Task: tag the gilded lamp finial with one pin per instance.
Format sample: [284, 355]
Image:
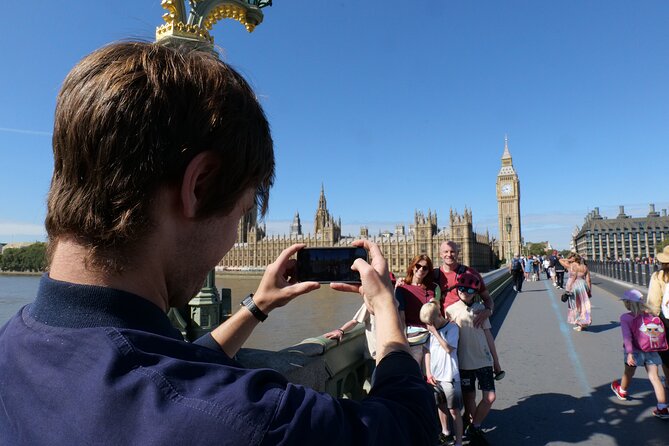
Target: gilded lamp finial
[203, 15]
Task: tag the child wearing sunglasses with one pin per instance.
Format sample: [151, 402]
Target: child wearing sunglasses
[475, 354]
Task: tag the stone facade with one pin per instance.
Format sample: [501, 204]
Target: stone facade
[255, 250]
[622, 237]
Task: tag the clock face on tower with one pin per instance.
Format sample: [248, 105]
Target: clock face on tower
[507, 189]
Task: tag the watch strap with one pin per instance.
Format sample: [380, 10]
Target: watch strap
[251, 306]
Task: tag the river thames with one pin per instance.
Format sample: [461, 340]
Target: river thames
[307, 316]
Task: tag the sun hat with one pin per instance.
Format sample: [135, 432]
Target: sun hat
[664, 255]
[632, 295]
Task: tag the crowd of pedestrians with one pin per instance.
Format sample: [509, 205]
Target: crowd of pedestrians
[643, 326]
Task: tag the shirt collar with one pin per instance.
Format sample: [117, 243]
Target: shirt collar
[65, 304]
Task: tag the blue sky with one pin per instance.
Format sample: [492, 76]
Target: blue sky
[394, 106]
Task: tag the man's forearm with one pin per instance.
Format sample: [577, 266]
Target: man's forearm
[233, 333]
[389, 333]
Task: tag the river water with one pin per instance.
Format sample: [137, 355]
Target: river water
[307, 316]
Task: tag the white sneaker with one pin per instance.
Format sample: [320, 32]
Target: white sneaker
[515, 289]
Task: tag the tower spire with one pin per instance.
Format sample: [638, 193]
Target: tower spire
[506, 153]
[322, 204]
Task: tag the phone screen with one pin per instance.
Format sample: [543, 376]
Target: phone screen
[327, 265]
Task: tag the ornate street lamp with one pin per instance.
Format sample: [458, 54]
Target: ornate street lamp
[206, 310]
[508, 239]
[203, 15]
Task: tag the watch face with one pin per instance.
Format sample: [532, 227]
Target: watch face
[507, 189]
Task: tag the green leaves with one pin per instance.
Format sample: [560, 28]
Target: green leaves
[31, 258]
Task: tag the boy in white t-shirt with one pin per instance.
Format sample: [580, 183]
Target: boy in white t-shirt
[441, 365]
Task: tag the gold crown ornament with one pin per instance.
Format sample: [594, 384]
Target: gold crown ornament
[203, 15]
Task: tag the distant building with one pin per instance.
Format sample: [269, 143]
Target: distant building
[16, 245]
[255, 250]
[620, 238]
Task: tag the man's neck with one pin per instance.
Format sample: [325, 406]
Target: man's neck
[450, 268]
[69, 264]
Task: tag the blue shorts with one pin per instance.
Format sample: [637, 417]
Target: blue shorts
[644, 358]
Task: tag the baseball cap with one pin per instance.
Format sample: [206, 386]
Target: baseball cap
[632, 295]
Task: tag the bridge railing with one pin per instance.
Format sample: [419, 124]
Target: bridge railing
[340, 369]
[630, 272]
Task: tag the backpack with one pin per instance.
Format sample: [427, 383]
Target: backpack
[437, 274]
[516, 264]
[648, 332]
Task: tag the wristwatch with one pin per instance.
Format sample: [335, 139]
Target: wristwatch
[251, 306]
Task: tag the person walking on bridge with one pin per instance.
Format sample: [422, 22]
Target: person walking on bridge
[516, 269]
[641, 341]
[559, 272]
[159, 151]
[658, 301]
[579, 314]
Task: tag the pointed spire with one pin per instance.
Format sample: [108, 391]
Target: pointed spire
[506, 153]
[322, 204]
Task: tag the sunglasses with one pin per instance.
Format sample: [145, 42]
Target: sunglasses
[464, 289]
[418, 267]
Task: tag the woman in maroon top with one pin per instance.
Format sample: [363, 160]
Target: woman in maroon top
[417, 288]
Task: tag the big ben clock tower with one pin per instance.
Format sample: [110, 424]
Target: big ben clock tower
[508, 207]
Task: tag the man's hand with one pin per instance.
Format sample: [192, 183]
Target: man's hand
[481, 316]
[278, 285]
[377, 292]
[374, 277]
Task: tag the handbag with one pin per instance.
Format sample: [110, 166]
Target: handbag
[565, 296]
[417, 335]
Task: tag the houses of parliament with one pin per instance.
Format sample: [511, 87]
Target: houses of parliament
[255, 249]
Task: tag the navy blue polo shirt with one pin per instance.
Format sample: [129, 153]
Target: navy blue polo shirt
[93, 365]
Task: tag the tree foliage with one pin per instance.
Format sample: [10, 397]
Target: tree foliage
[536, 249]
[30, 258]
[660, 246]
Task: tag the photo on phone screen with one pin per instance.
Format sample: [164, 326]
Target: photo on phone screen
[327, 265]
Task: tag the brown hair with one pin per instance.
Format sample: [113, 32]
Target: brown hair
[129, 119]
[429, 278]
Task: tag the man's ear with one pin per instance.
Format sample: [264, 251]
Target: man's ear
[198, 178]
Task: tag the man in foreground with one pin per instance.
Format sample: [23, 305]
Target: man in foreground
[158, 152]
